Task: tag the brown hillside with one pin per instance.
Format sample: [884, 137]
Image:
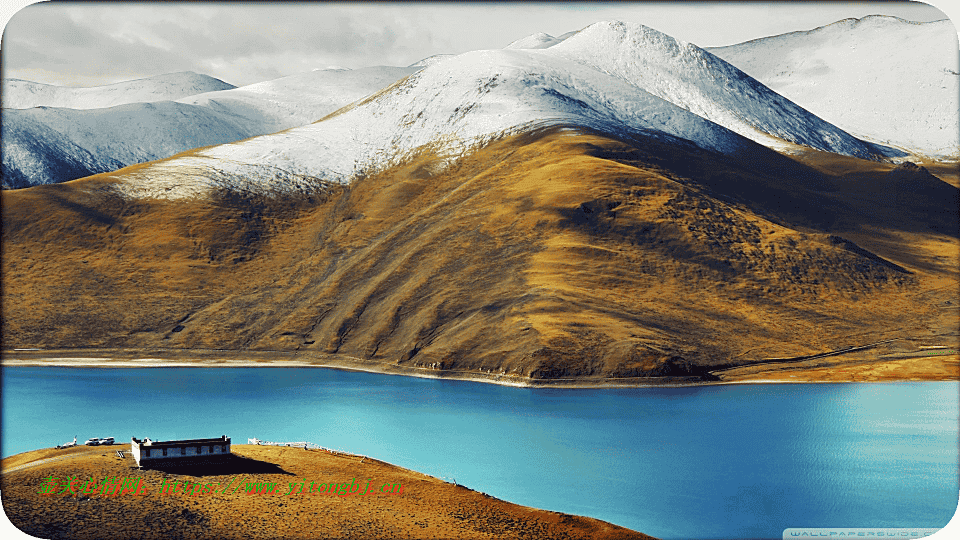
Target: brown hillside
[426, 507]
[553, 254]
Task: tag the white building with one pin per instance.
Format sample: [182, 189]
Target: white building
[184, 452]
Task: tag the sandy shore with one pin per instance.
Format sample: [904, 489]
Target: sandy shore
[935, 365]
[14, 358]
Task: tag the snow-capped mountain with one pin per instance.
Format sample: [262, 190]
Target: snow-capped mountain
[539, 40]
[19, 94]
[881, 78]
[299, 99]
[613, 77]
[106, 139]
[430, 60]
[33, 150]
[702, 83]
[458, 103]
[102, 140]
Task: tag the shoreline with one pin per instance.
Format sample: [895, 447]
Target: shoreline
[401, 371]
[784, 373]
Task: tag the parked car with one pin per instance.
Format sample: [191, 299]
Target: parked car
[93, 442]
[106, 440]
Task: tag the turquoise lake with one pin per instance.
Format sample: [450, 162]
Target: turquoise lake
[733, 461]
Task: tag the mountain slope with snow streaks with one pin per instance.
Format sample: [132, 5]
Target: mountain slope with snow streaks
[885, 79]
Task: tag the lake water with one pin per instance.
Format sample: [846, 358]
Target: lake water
[743, 461]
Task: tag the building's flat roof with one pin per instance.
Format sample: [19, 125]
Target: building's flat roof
[183, 442]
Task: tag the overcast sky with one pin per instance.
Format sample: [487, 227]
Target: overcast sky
[88, 44]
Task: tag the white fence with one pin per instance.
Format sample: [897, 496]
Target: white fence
[302, 444]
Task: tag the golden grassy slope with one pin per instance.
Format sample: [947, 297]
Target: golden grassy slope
[552, 254]
[426, 508]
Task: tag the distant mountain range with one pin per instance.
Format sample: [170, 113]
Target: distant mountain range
[19, 94]
[114, 126]
[616, 78]
[626, 76]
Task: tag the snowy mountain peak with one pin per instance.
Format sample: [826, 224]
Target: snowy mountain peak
[703, 84]
[431, 60]
[20, 94]
[618, 32]
[175, 79]
[539, 40]
[905, 69]
[873, 20]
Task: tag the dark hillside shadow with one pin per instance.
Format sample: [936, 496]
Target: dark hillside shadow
[84, 211]
[792, 193]
[907, 197]
[769, 184]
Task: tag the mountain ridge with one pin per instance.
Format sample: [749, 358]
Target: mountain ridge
[539, 40]
[22, 94]
[847, 71]
[646, 64]
[103, 141]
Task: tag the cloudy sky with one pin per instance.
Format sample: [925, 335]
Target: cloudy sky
[88, 44]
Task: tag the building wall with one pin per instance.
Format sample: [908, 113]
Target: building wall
[155, 453]
[184, 451]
